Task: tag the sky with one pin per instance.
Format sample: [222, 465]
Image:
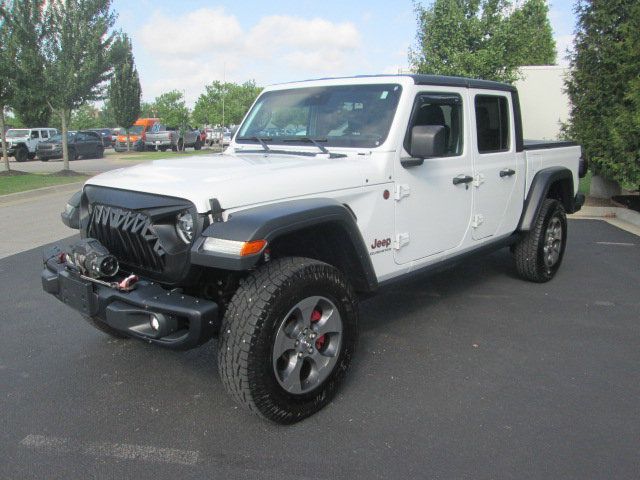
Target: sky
[187, 44]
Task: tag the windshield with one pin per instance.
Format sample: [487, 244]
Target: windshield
[135, 130]
[344, 115]
[58, 137]
[17, 133]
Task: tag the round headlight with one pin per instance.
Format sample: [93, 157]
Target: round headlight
[185, 226]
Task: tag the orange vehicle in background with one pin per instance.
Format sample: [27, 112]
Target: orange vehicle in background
[137, 134]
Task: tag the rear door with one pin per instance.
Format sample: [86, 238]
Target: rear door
[433, 212]
[497, 172]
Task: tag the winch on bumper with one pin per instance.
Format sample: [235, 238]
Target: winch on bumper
[148, 311]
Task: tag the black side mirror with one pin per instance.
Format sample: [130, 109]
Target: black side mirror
[71, 214]
[427, 141]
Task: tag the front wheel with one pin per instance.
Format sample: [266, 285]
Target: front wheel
[538, 254]
[21, 154]
[287, 338]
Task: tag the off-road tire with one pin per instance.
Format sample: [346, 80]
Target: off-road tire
[249, 328]
[105, 328]
[73, 154]
[22, 154]
[197, 145]
[100, 152]
[529, 251]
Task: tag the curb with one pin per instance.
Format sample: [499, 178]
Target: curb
[39, 192]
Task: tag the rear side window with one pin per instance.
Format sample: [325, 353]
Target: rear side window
[443, 109]
[492, 123]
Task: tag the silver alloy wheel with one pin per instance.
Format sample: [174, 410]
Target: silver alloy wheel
[307, 345]
[553, 242]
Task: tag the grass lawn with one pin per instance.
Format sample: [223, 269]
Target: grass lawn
[164, 155]
[30, 181]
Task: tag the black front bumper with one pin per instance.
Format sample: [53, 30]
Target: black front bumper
[185, 321]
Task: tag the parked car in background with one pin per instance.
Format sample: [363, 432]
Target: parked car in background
[226, 138]
[105, 133]
[162, 138]
[137, 135]
[213, 134]
[22, 142]
[85, 144]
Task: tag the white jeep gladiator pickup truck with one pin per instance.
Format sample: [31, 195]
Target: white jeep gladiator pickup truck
[329, 189]
[22, 143]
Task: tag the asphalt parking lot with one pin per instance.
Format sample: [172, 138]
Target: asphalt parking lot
[470, 373]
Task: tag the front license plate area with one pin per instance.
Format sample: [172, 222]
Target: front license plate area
[76, 293]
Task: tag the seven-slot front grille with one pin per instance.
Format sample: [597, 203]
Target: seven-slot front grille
[128, 235]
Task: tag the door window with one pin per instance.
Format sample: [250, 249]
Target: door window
[34, 134]
[44, 134]
[492, 123]
[443, 109]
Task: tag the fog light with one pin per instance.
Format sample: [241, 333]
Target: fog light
[155, 323]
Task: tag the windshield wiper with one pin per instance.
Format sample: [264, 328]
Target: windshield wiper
[262, 140]
[310, 140]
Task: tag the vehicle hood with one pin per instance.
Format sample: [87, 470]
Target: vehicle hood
[237, 179]
[18, 139]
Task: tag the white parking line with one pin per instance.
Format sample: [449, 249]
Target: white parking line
[57, 445]
[618, 244]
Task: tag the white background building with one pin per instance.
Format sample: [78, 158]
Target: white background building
[543, 100]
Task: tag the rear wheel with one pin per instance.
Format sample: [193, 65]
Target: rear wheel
[197, 145]
[73, 154]
[287, 338]
[99, 152]
[539, 252]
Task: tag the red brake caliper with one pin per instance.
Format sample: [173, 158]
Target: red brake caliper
[316, 315]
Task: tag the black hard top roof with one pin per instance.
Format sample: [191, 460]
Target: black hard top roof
[441, 80]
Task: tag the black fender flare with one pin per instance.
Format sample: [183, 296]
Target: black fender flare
[268, 222]
[539, 190]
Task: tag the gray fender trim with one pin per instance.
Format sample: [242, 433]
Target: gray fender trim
[268, 222]
[538, 192]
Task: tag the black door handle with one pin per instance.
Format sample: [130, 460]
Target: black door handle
[462, 179]
[507, 172]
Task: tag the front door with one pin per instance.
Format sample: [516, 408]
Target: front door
[432, 210]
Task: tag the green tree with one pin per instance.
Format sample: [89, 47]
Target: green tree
[29, 30]
[7, 80]
[486, 39]
[604, 87]
[84, 117]
[125, 91]
[106, 115]
[79, 56]
[148, 110]
[225, 103]
[172, 110]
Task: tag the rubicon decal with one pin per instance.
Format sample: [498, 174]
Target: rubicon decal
[380, 245]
